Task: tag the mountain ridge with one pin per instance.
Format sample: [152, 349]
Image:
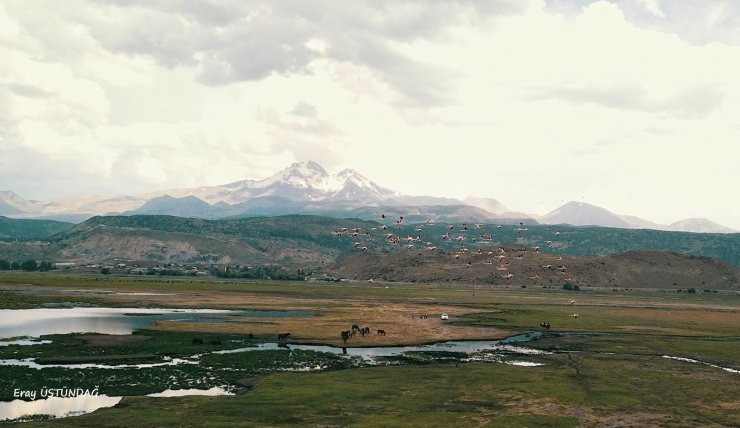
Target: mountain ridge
[307, 188]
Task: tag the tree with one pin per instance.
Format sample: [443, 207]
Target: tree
[4, 264]
[30, 265]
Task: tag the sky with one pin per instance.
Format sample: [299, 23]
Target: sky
[631, 105]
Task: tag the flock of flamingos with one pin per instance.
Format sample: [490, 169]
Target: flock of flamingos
[391, 233]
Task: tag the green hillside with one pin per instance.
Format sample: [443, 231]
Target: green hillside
[314, 229]
[581, 241]
[314, 240]
[29, 230]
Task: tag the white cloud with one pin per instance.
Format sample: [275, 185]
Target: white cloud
[601, 101]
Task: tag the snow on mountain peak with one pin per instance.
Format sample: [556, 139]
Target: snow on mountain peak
[309, 181]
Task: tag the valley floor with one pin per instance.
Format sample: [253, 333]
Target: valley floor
[630, 358]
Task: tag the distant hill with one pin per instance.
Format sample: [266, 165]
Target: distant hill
[636, 269]
[26, 230]
[395, 249]
[10, 203]
[583, 214]
[701, 225]
[291, 240]
[188, 206]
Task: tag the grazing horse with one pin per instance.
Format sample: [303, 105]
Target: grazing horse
[574, 316]
[197, 341]
[381, 332]
[365, 330]
[282, 337]
[355, 327]
[345, 335]
[545, 324]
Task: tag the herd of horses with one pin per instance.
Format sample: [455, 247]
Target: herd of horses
[347, 334]
[283, 337]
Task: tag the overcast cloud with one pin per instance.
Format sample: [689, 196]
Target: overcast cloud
[632, 105]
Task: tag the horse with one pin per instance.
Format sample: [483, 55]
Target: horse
[364, 331]
[355, 327]
[545, 324]
[197, 341]
[381, 332]
[345, 335]
[283, 337]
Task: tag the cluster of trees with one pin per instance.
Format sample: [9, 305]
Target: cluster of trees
[263, 272]
[28, 265]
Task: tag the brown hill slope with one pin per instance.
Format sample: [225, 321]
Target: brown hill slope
[513, 266]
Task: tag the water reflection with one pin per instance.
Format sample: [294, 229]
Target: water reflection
[55, 406]
[24, 342]
[38, 322]
[216, 390]
[32, 364]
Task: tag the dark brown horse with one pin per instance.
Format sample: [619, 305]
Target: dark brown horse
[381, 332]
[345, 335]
[282, 337]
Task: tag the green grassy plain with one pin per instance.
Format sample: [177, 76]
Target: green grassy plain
[605, 368]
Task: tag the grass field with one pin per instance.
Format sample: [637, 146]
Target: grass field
[608, 367]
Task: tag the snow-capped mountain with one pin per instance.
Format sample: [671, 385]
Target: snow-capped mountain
[307, 188]
[301, 181]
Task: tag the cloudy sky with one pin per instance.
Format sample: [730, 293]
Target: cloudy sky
[632, 105]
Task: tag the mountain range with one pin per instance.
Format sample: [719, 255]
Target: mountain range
[307, 188]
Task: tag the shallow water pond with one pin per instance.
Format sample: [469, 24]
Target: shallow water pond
[45, 321]
[56, 407]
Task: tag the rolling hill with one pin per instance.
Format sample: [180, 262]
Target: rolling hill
[29, 229]
[396, 249]
[634, 269]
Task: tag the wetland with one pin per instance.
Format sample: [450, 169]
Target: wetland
[644, 358]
